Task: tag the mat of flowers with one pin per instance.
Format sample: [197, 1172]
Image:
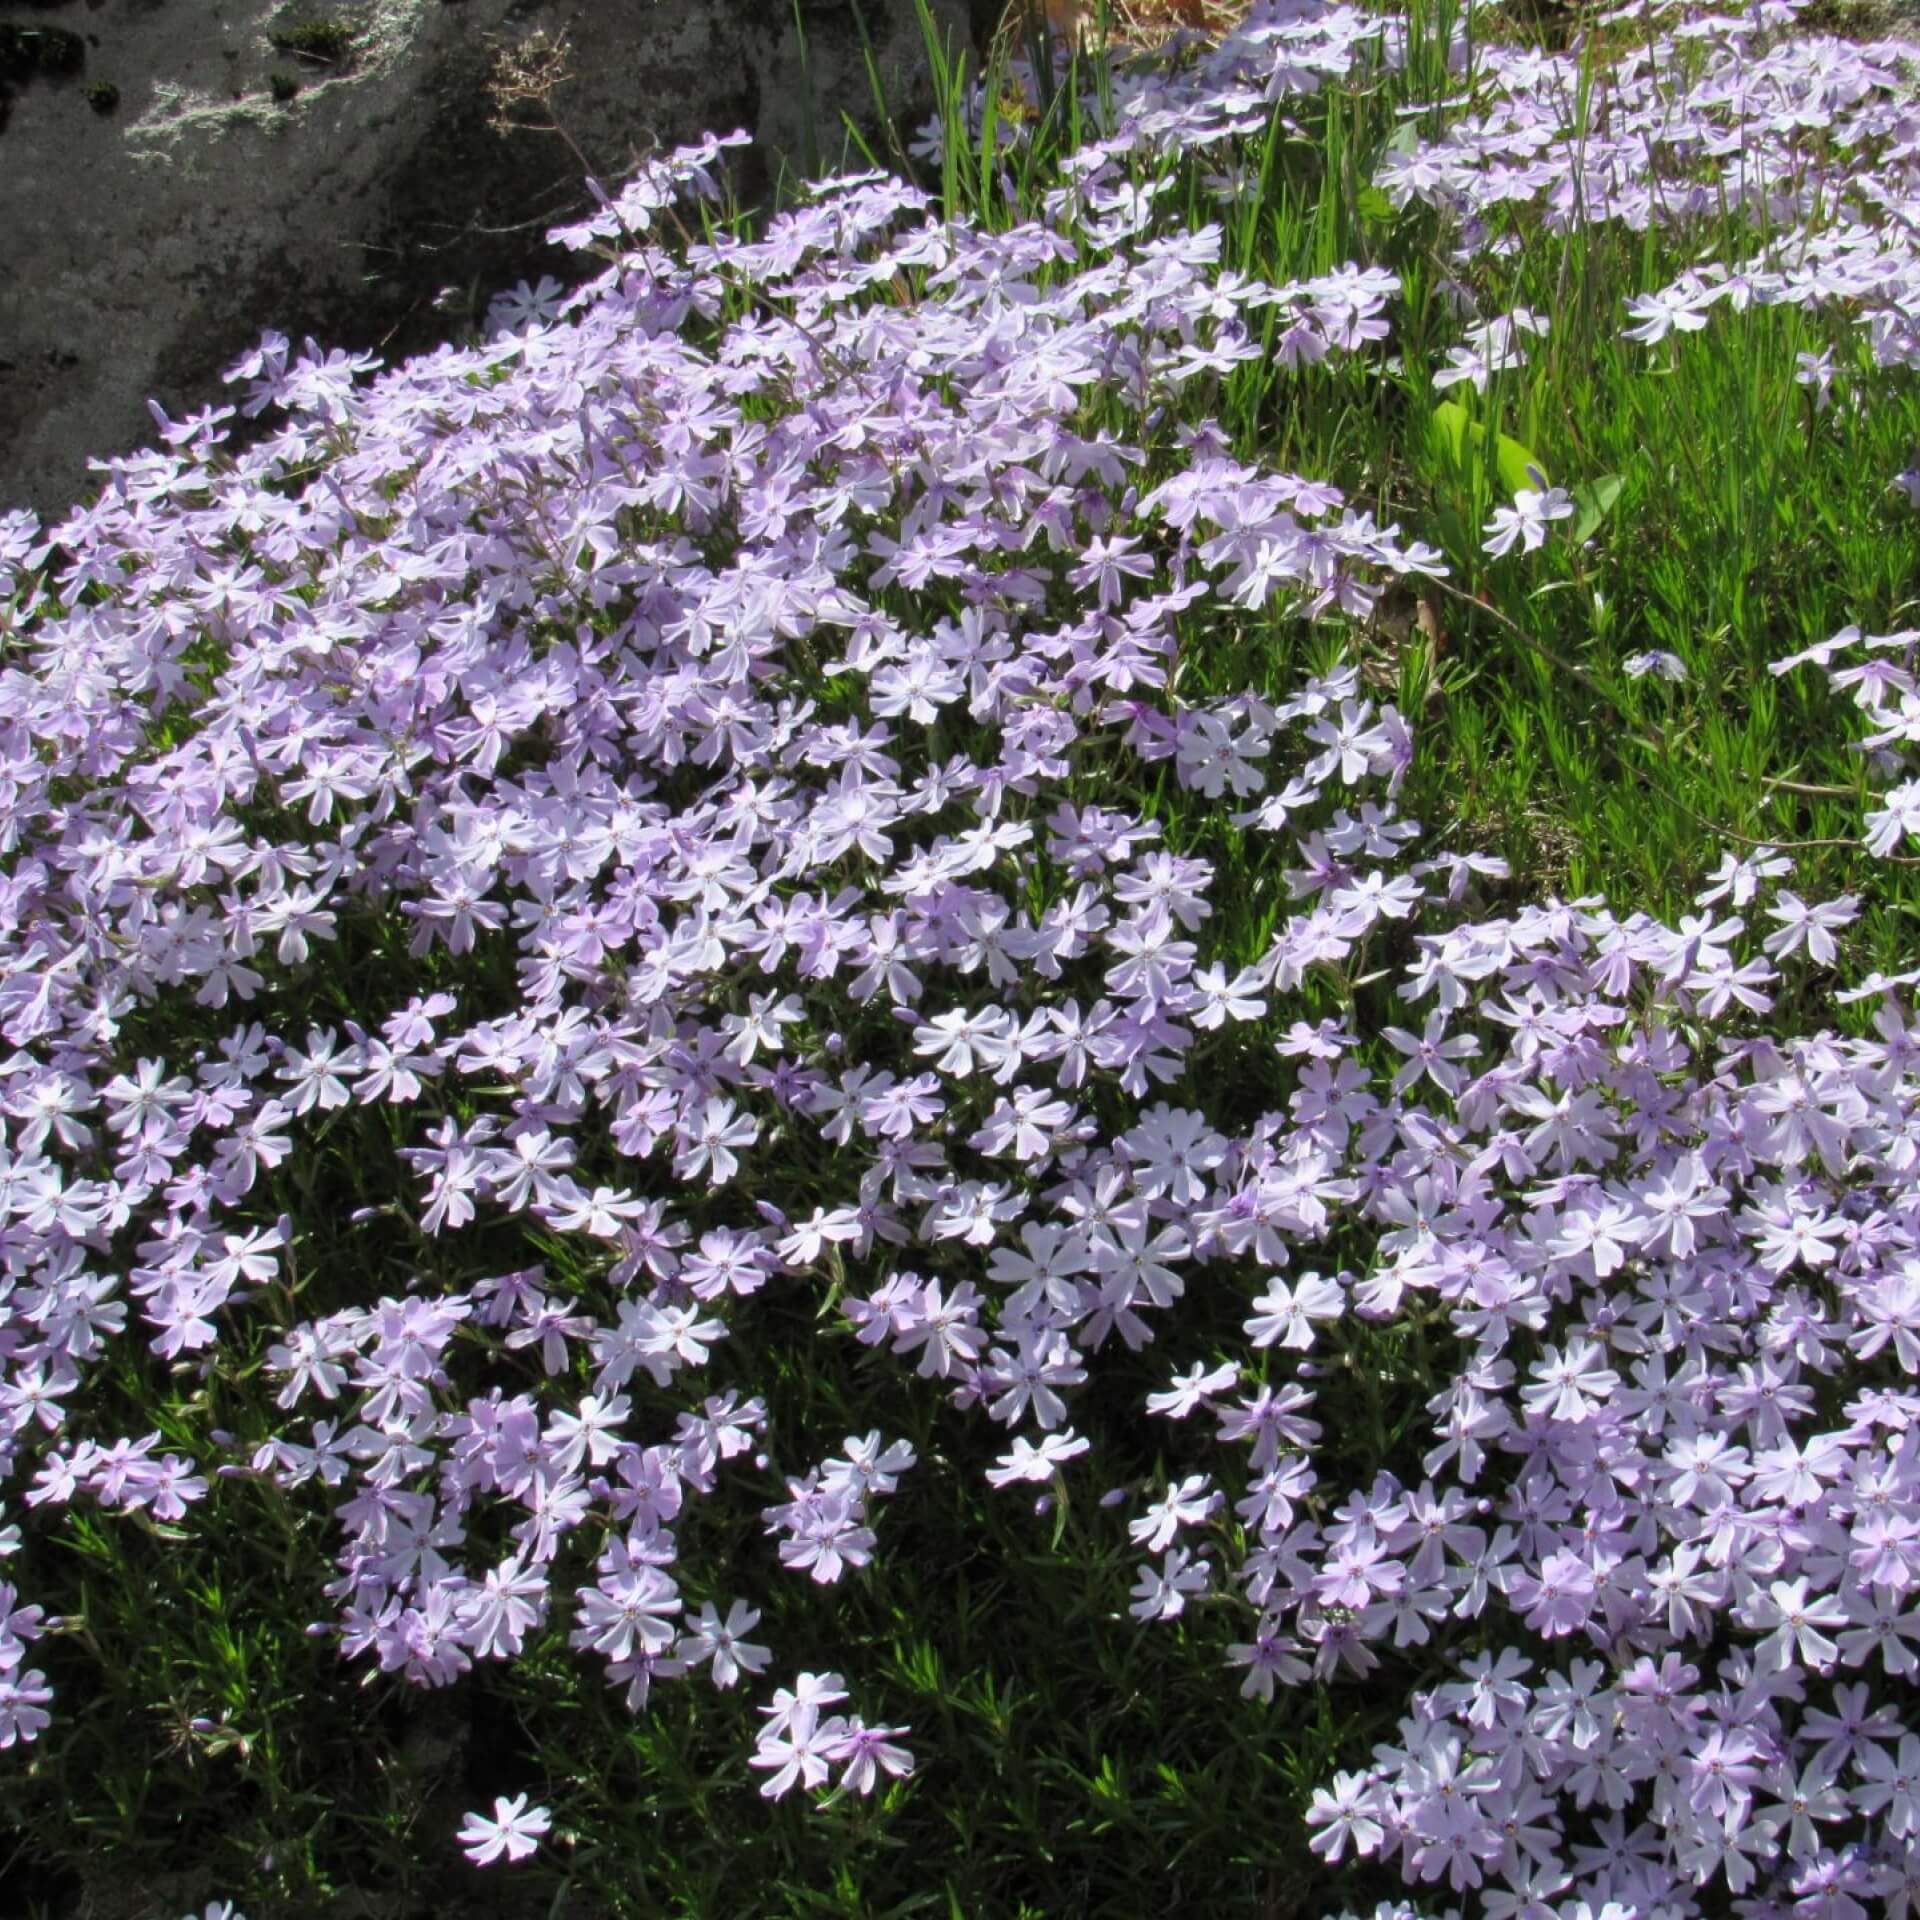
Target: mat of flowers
[716, 717]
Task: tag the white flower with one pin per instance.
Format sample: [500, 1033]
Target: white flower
[1526, 521]
[514, 1831]
[1669, 666]
[725, 1643]
[1030, 1462]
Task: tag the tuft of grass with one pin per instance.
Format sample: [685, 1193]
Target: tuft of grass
[316, 37]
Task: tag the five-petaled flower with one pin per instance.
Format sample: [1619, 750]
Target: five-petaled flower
[512, 1833]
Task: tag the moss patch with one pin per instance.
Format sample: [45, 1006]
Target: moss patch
[315, 37]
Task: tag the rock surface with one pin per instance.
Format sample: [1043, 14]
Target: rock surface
[211, 168]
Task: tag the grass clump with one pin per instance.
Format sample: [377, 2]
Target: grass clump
[317, 37]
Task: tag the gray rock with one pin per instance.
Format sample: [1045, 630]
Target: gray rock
[255, 173]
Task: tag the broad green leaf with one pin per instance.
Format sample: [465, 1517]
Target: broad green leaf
[1454, 436]
[1518, 466]
[1461, 441]
[1594, 502]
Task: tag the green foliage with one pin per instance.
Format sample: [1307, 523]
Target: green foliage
[316, 37]
[1459, 443]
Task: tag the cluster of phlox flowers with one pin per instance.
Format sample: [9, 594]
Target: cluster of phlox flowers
[1879, 674]
[1730, 153]
[800, 1746]
[729, 734]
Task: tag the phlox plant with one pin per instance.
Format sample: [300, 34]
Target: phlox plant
[782, 944]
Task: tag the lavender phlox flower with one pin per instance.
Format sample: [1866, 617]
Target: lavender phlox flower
[1162, 1593]
[1526, 522]
[724, 1643]
[865, 1753]
[1657, 662]
[1490, 349]
[793, 1756]
[1042, 1269]
[1107, 563]
[495, 1618]
[528, 1168]
[1358, 743]
[1738, 878]
[1676, 309]
[523, 305]
[943, 1328]
[1793, 1620]
[1815, 371]
[1811, 925]
[1890, 1785]
[1731, 1844]
[709, 1145]
[1027, 1126]
[1188, 1504]
[1285, 1314]
[824, 1530]
[799, 1705]
[1346, 1813]
[512, 1832]
[868, 1469]
[1193, 1389]
[973, 1211]
[1897, 819]
[1821, 652]
[1027, 1377]
[1432, 1053]
[1036, 1460]
[957, 1041]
